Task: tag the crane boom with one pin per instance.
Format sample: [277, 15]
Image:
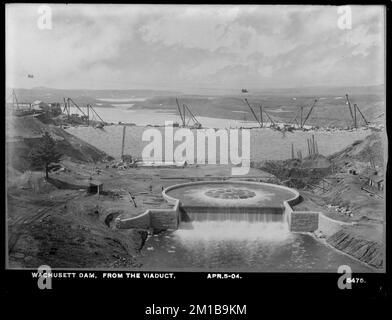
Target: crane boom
[181, 115]
[272, 121]
[349, 107]
[254, 114]
[192, 115]
[69, 99]
[310, 111]
[91, 107]
[363, 117]
[295, 118]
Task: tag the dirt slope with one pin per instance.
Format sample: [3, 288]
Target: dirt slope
[24, 133]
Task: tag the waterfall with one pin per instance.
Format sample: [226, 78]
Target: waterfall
[267, 224]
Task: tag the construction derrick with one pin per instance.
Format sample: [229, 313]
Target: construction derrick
[90, 113]
[254, 114]
[196, 123]
[354, 113]
[269, 117]
[360, 112]
[192, 117]
[349, 107]
[308, 115]
[90, 107]
[181, 113]
[69, 100]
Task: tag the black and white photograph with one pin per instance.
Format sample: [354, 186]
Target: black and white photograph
[213, 139]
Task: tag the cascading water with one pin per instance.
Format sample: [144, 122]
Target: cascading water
[237, 226]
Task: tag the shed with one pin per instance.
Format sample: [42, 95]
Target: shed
[95, 186]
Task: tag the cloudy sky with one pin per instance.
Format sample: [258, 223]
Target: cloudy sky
[180, 47]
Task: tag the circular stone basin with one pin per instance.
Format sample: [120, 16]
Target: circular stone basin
[230, 193]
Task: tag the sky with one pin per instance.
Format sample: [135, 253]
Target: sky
[176, 47]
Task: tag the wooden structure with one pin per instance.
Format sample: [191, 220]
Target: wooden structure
[312, 146]
[353, 112]
[262, 111]
[192, 117]
[300, 113]
[88, 116]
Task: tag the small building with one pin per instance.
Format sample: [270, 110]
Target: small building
[95, 186]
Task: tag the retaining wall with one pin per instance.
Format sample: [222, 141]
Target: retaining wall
[304, 221]
[158, 219]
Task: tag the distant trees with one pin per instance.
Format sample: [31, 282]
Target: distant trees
[46, 153]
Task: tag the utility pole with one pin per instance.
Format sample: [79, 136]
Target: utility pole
[261, 114]
[292, 151]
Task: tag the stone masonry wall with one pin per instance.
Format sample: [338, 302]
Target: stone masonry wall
[304, 221]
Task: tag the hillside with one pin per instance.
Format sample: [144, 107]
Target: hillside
[371, 149]
[24, 133]
[281, 104]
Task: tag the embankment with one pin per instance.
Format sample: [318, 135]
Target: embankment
[24, 134]
[366, 251]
